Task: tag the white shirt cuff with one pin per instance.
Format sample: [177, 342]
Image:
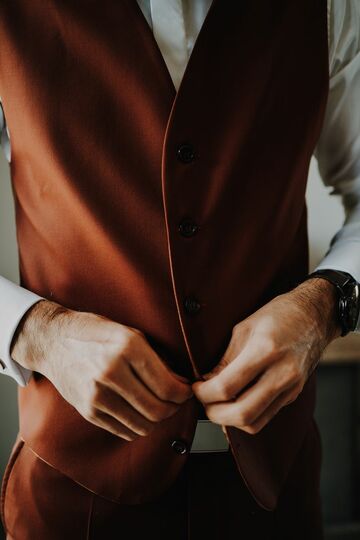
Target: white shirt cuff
[14, 302]
[343, 256]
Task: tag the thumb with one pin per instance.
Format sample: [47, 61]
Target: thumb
[237, 341]
[223, 362]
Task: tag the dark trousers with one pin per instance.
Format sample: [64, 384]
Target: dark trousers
[208, 501]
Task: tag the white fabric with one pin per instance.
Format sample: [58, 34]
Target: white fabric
[176, 24]
[17, 300]
[173, 43]
[338, 149]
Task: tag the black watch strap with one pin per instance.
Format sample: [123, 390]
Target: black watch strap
[340, 280]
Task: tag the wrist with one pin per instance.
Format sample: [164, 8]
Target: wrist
[320, 297]
[27, 347]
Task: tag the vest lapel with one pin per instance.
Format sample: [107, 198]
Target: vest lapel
[151, 44]
[146, 34]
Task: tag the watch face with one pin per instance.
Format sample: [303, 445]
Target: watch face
[352, 306]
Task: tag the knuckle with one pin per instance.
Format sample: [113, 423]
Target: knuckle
[156, 414]
[97, 393]
[295, 393]
[300, 386]
[144, 431]
[293, 373]
[132, 338]
[93, 419]
[89, 413]
[126, 436]
[289, 374]
[184, 390]
[174, 392]
[167, 410]
[252, 430]
[240, 327]
[125, 346]
[278, 385]
[222, 391]
[136, 332]
[121, 431]
[226, 393]
[140, 361]
[291, 399]
[268, 345]
[123, 436]
[152, 416]
[210, 414]
[235, 331]
[168, 392]
[140, 430]
[244, 418]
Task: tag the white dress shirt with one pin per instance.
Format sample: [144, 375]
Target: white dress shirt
[176, 24]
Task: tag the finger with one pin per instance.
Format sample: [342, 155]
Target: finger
[231, 380]
[248, 412]
[114, 405]
[281, 401]
[132, 389]
[254, 401]
[166, 385]
[229, 355]
[109, 423]
[237, 342]
[151, 351]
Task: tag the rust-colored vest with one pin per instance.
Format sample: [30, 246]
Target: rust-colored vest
[95, 125]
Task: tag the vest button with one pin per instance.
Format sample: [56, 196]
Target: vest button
[187, 228]
[2, 364]
[191, 305]
[180, 447]
[185, 153]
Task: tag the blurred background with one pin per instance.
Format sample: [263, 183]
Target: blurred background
[338, 404]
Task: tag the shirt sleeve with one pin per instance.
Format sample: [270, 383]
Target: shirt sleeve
[15, 301]
[338, 148]
[4, 134]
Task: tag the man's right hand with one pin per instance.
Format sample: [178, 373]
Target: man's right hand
[104, 369]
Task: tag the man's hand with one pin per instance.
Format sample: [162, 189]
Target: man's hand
[106, 370]
[270, 356]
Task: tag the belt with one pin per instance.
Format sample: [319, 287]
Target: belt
[209, 437]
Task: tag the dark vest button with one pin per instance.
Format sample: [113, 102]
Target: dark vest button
[188, 228]
[180, 447]
[191, 305]
[185, 153]
[2, 364]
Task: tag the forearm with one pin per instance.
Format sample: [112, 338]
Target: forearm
[28, 348]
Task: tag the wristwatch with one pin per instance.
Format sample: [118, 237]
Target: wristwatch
[348, 307]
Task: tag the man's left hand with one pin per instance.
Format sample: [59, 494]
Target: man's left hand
[270, 356]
